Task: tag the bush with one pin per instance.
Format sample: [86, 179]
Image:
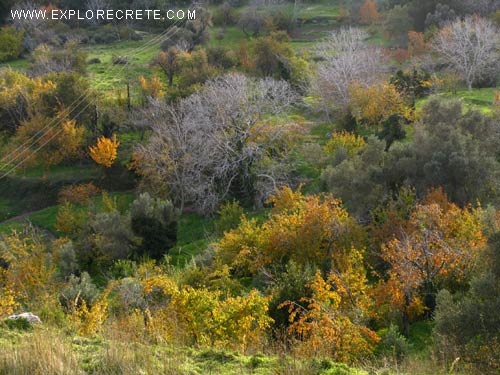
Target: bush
[155, 221]
[393, 343]
[107, 237]
[467, 325]
[119, 60]
[78, 193]
[221, 57]
[252, 23]
[10, 43]
[229, 217]
[78, 289]
[104, 34]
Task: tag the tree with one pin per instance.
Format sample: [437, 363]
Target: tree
[152, 89]
[155, 221]
[397, 24]
[54, 145]
[218, 142]
[376, 103]
[467, 323]
[22, 97]
[327, 317]
[441, 16]
[412, 84]
[251, 23]
[470, 46]
[368, 12]
[10, 43]
[441, 241]
[314, 230]
[416, 43]
[105, 151]
[169, 63]
[392, 130]
[347, 59]
[68, 59]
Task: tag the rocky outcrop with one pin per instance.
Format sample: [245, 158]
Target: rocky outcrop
[29, 317]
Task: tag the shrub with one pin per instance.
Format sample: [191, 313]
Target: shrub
[393, 343]
[69, 220]
[10, 43]
[78, 193]
[66, 257]
[155, 221]
[79, 289]
[229, 217]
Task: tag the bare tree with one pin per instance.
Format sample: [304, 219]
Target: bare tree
[346, 58]
[94, 6]
[27, 24]
[225, 139]
[470, 46]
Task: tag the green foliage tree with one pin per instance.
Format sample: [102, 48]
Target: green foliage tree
[155, 221]
[468, 325]
[397, 24]
[10, 43]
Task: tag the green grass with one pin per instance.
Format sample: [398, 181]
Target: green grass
[64, 172]
[8, 208]
[193, 237]
[233, 36]
[106, 76]
[18, 64]
[320, 9]
[481, 99]
[421, 337]
[46, 218]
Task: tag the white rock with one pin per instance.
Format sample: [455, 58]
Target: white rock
[30, 317]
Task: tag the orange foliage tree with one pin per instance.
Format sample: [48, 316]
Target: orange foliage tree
[416, 43]
[369, 13]
[440, 242]
[105, 151]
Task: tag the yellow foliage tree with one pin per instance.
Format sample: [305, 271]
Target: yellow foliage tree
[52, 147]
[29, 277]
[375, 103]
[89, 321]
[9, 299]
[322, 325]
[204, 317]
[312, 229]
[151, 88]
[349, 142]
[105, 151]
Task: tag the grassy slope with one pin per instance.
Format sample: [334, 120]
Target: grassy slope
[107, 76]
[481, 99]
[46, 350]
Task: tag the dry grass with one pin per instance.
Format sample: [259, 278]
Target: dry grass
[39, 353]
